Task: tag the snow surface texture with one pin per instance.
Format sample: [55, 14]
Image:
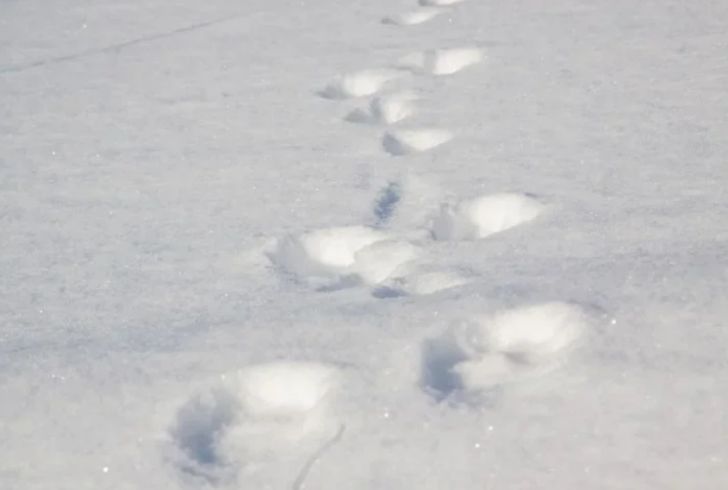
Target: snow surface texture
[439, 2]
[282, 245]
[413, 17]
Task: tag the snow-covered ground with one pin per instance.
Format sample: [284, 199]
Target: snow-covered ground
[329, 244]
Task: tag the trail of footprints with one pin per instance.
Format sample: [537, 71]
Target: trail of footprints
[284, 413]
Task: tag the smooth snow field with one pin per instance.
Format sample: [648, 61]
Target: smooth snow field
[348, 245]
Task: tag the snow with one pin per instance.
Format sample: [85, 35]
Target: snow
[211, 278]
[334, 256]
[484, 352]
[441, 61]
[406, 141]
[358, 84]
[413, 17]
[387, 109]
[483, 216]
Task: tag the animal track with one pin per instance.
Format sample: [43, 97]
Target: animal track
[387, 109]
[338, 257]
[199, 426]
[441, 61]
[406, 141]
[413, 17]
[483, 216]
[260, 414]
[387, 201]
[358, 84]
[486, 351]
[261, 408]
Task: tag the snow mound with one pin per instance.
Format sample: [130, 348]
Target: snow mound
[413, 17]
[490, 350]
[333, 255]
[441, 61]
[404, 142]
[483, 216]
[387, 109]
[358, 84]
[283, 389]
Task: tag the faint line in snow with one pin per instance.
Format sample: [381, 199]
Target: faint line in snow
[117, 47]
[300, 480]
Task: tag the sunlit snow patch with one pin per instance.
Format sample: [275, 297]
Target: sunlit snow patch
[406, 141]
[358, 84]
[337, 256]
[441, 61]
[283, 389]
[483, 216]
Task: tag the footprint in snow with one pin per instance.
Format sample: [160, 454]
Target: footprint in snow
[261, 413]
[483, 216]
[332, 258]
[487, 351]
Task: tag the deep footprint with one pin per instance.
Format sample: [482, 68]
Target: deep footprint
[198, 429]
[386, 203]
[483, 216]
[343, 256]
[254, 411]
[441, 61]
[491, 350]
